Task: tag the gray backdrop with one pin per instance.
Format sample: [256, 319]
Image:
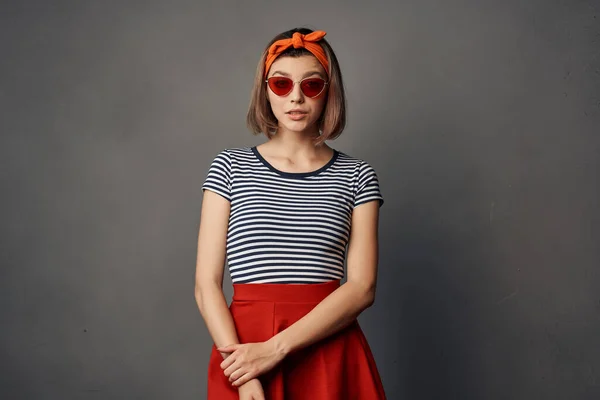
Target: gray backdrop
[481, 118]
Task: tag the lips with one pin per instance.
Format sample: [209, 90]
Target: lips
[297, 112]
[297, 116]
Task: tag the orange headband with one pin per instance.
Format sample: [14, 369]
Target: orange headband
[309, 42]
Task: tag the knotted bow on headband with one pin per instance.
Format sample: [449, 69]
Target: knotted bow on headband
[309, 42]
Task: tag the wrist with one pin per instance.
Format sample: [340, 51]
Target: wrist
[280, 346]
[250, 382]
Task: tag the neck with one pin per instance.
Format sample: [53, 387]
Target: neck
[297, 142]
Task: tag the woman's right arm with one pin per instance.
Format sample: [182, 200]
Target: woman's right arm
[210, 263]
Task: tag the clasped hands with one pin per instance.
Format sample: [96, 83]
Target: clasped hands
[249, 360]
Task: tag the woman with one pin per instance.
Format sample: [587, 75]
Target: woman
[285, 214]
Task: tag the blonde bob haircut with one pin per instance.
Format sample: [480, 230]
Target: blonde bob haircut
[260, 118]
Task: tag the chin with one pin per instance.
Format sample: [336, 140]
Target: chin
[299, 129]
[299, 126]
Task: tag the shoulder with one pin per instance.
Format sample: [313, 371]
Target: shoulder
[358, 165]
[365, 180]
[231, 151]
[226, 160]
[238, 154]
[232, 157]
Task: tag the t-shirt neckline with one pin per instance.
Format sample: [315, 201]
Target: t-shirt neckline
[295, 174]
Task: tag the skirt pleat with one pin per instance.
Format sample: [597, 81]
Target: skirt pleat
[339, 367]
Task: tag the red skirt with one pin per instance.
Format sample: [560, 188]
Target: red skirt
[339, 367]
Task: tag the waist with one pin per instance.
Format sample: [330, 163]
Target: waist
[284, 292]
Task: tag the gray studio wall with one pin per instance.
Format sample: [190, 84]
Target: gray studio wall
[481, 118]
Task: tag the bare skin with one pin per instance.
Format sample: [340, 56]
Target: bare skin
[290, 150]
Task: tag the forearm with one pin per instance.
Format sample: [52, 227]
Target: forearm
[213, 308]
[332, 314]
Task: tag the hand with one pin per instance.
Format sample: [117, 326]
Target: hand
[249, 360]
[251, 390]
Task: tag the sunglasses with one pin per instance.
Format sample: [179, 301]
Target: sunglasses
[282, 86]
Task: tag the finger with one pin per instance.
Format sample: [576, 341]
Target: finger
[235, 374]
[245, 378]
[228, 361]
[233, 368]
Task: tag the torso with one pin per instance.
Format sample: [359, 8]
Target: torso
[289, 227]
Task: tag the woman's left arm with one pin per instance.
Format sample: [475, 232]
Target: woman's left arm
[344, 305]
[332, 314]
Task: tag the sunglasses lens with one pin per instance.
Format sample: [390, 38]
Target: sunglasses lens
[280, 85]
[312, 87]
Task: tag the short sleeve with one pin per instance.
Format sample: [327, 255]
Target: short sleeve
[367, 188]
[218, 178]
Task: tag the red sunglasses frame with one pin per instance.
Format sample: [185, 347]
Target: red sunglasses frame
[325, 83]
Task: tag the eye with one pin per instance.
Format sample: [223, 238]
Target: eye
[314, 83]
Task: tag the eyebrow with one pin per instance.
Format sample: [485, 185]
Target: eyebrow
[309, 73]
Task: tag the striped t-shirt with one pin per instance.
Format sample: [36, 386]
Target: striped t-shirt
[289, 227]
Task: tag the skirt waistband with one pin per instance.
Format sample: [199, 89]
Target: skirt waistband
[284, 292]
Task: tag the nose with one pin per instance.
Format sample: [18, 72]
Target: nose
[297, 95]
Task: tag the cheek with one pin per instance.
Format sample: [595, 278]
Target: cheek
[275, 104]
[320, 106]
[320, 101]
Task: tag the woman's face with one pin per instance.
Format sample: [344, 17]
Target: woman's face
[297, 68]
